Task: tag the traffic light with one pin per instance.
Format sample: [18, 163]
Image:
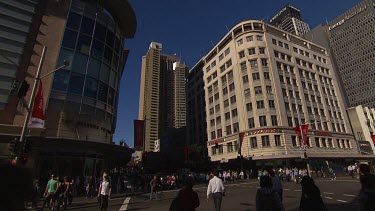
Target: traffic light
[23, 159]
[13, 146]
[23, 89]
[26, 147]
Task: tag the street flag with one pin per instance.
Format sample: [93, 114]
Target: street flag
[240, 140]
[373, 139]
[139, 134]
[303, 137]
[37, 117]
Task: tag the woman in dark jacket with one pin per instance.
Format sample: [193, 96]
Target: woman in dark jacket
[311, 199]
[266, 198]
[187, 199]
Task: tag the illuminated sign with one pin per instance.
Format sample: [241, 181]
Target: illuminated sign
[261, 131]
[346, 18]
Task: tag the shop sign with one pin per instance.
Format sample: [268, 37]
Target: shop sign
[215, 142]
[262, 131]
[321, 133]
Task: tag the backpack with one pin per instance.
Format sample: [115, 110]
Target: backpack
[176, 204]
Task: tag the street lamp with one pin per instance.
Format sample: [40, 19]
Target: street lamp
[32, 97]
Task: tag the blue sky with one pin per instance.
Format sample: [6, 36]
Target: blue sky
[189, 27]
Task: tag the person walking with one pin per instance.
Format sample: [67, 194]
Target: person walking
[89, 187]
[216, 190]
[276, 184]
[266, 198]
[367, 193]
[49, 193]
[187, 199]
[104, 192]
[311, 199]
[154, 185]
[35, 194]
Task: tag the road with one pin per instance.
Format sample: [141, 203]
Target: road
[337, 195]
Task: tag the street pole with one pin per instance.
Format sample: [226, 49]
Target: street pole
[31, 103]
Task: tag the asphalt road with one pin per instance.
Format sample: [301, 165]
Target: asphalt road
[337, 195]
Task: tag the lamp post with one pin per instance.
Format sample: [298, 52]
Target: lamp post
[32, 97]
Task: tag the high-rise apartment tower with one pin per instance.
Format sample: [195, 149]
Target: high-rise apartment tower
[289, 19]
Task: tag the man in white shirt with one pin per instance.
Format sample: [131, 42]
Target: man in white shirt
[216, 189]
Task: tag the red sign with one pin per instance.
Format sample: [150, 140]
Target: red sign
[240, 136]
[302, 131]
[139, 135]
[320, 133]
[37, 117]
[215, 142]
[373, 139]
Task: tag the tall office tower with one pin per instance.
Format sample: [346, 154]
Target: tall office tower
[162, 101]
[351, 38]
[196, 112]
[80, 100]
[290, 20]
[262, 84]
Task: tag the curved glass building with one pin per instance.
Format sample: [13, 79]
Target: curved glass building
[80, 100]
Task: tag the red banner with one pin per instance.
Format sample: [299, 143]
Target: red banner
[373, 139]
[240, 140]
[139, 135]
[305, 130]
[37, 117]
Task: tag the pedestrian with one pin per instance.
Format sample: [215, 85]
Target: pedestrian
[241, 175]
[311, 199]
[187, 199]
[367, 193]
[266, 198]
[35, 194]
[49, 193]
[276, 184]
[104, 192]
[216, 190]
[154, 186]
[89, 187]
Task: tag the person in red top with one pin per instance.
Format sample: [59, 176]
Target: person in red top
[187, 199]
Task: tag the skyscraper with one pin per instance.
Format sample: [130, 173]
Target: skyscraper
[289, 19]
[80, 99]
[261, 84]
[162, 101]
[350, 38]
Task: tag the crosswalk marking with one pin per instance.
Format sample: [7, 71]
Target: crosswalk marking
[328, 197]
[124, 205]
[341, 200]
[348, 195]
[328, 193]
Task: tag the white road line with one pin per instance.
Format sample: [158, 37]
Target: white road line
[348, 195]
[286, 189]
[328, 193]
[341, 200]
[328, 197]
[297, 190]
[124, 205]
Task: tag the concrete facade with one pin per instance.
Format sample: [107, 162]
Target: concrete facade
[363, 123]
[162, 100]
[262, 81]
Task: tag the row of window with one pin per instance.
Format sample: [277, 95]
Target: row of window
[265, 142]
[300, 51]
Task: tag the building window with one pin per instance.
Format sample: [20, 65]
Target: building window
[264, 62]
[225, 91]
[256, 76]
[221, 57]
[227, 116]
[245, 79]
[234, 112]
[317, 143]
[227, 51]
[258, 90]
[277, 140]
[221, 150]
[274, 120]
[247, 93]
[251, 51]
[271, 104]
[239, 42]
[228, 63]
[230, 147]
[253, 63]
[259, 38]
[265, 141]
[274, 41]
[249, 106]
[222, 68]
[269, 89]
[294, 141]
[261, 50]
[266, 75]
[348, 144]
[243, 66]
[228, 129]
[226, 103]
[338, 143]
[249, 38]
[213, 150]
[231, 87]
[253, 142]
[241, 54]
[235, 127]
[232, 99]
[290, 122]
[251, 123]
[262, 121]
[260, 104]
[213, 135]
